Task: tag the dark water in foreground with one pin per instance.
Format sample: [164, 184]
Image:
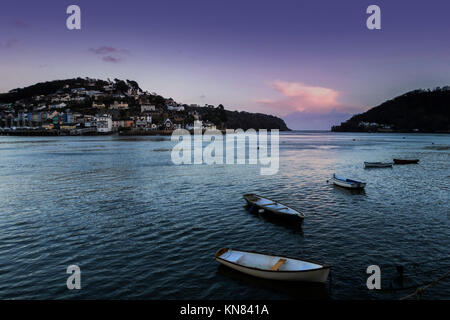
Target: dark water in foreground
[140, 227]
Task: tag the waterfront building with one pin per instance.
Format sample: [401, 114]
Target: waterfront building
[36, 117]
[142, 121]
[168, 124]
[68, 126]
[48, 126]
[89, 121]
[104, 124]
[56, 119]
[123, 124]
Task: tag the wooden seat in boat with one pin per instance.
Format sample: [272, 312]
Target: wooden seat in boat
[277, 265]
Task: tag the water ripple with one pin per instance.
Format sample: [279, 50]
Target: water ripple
[140, 227]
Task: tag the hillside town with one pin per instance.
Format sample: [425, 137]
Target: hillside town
[85, 106]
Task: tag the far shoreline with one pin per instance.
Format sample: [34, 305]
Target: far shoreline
[168, 133]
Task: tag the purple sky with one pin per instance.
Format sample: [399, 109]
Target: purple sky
[311, 62]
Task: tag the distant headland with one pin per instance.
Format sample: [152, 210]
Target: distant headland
[85, 106]
[415, 111]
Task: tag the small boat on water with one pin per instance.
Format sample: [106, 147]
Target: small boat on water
[377, 164]
[273, 267]
[405, 161]
[347, 183]
[274, 208]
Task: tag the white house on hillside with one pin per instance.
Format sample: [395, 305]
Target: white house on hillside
[147, 107]
[119, 106]
[175, 108]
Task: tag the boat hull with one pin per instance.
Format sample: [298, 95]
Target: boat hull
[282, 216]
[377, 165]
[402, 161]
[318, 275]
[272, 213]
[347, 185]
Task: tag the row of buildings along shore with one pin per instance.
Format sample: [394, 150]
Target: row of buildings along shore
[84, 111]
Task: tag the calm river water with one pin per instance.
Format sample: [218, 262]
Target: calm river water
[141, 227]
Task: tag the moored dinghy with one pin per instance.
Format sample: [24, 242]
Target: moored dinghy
[273, 267]
[406, 161]
[275, 208]
[347, 183]
[377, 164]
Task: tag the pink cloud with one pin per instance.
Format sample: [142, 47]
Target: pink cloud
[307, 96]
[300, 97]
[265, 101]
[303, 97]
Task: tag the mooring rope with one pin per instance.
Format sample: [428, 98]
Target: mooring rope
[419, 268]
[419, 291]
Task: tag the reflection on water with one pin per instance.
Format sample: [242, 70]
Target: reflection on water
[286, 289]
[141, 227]
[349, 191]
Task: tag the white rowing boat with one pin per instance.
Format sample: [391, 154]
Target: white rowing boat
[274, 208]
[377, 164]
[348, 183]
[273, 267]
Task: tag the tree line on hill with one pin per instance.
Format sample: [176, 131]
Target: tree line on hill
[416, 111]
